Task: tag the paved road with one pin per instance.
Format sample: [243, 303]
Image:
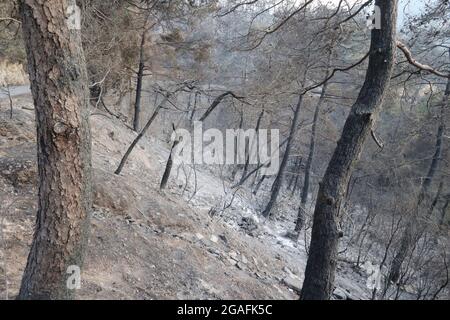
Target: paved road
[15, 91]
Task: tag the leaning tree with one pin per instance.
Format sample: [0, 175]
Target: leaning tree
[322, 259]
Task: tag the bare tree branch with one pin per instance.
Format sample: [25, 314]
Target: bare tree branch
[417, 64]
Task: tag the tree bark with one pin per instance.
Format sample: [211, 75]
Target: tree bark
[322, 259]
[59, 85]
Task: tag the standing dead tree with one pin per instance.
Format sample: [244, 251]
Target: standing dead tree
[140, 74]
[305, 190]
[217, 101]
[261, 165]
[141, 134]
[411, 233]
[293, 183]
[169, 163]
[240, 126]
[194, 107]
[322, 259]
[444, 210]
[251, 148]
[276, 186]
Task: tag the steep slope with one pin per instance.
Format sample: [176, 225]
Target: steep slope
[147, 244]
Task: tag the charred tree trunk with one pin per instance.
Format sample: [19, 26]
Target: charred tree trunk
[258, 185]
[169, 164]
[410, 233]
[140, 77]
[189, 105]
[59, 85]
[215, 103]
[312, 145]
[436, 199]
[444, 211]
[255, 170]
[297, 177]
[238, 166]
[293, 183]
[321, 264]
[279, 178]
[195, 106]
[250, 148]
[139, 136]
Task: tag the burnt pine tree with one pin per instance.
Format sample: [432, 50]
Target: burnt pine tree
[59, 85]
[312, 145]
[322, 259]
[169, 164]
[411, 233]
[140, 77]
[141, 134]
[305, 190]
[276, 186]
[250, 148]
[278, 181]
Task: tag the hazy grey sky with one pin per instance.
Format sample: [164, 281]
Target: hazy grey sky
[410, 7]
[406, 7]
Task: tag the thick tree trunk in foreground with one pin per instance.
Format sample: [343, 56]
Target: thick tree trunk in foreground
[321, 265]
[276, 186]
[59, 85]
